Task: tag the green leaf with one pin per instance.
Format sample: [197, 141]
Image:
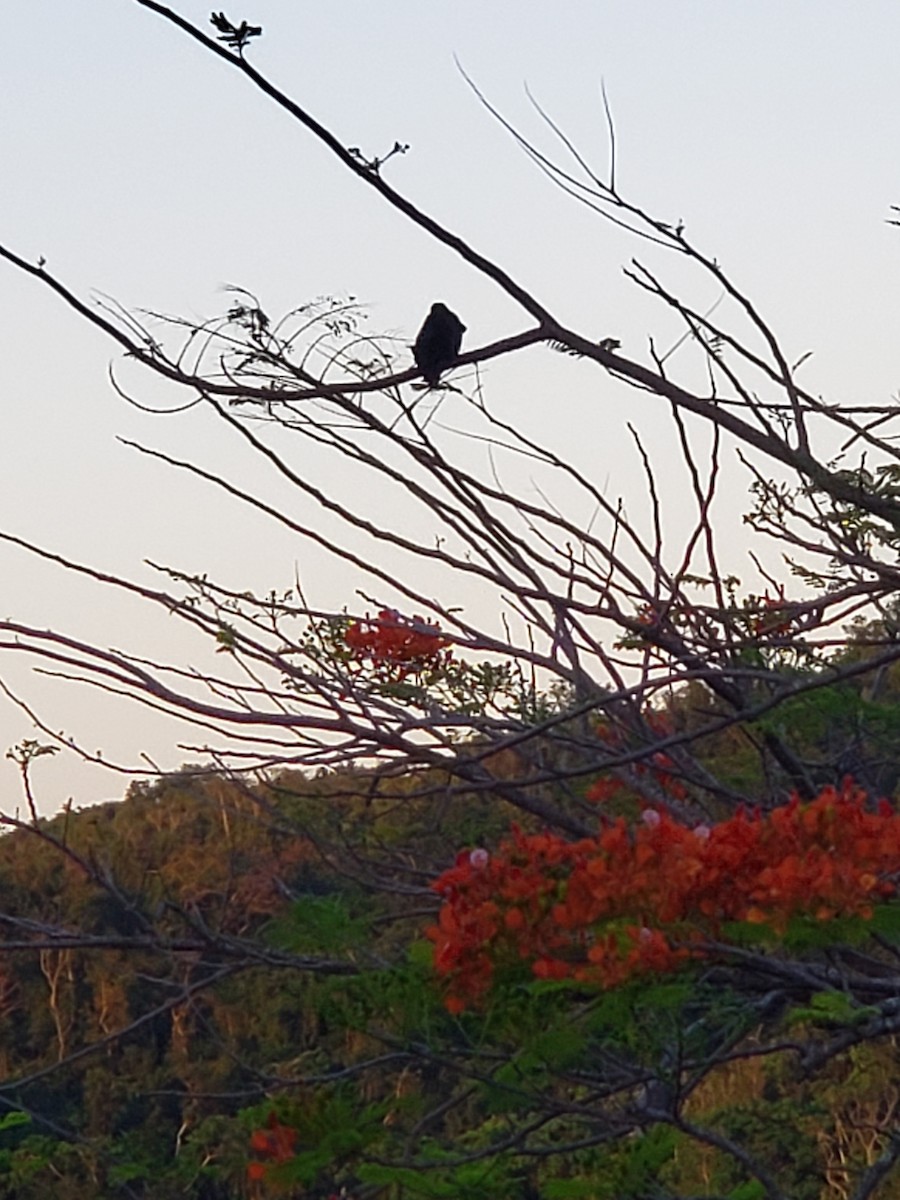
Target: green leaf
[125, 1172]
[886, 920]
[807, 933]
[570, 1189]
[421, 954]
[751, 1190]
[318, 924]
[12, 1120]
[832, 1007]
[559, 1047]
[747, 933]
[418, 1183]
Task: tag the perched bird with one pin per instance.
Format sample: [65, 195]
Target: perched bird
[437, 344]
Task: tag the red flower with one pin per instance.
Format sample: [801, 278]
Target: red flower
[633, 900]
[392, 641]
[276, 1142]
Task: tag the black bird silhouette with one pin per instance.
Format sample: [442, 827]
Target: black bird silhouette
[437, 344]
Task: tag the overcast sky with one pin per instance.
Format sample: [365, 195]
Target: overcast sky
[144, 169]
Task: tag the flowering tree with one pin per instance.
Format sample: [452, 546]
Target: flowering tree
[692, 884]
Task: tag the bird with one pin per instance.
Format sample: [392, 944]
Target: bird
[438, 341]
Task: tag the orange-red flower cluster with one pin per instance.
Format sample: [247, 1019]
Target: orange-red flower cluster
[275, 1144]
[604, 909]
[773, 618]
[658, 766]
[404, 646]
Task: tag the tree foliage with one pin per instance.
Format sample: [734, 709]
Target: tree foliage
[585, 889]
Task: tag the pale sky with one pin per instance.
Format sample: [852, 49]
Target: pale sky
[144, 169]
